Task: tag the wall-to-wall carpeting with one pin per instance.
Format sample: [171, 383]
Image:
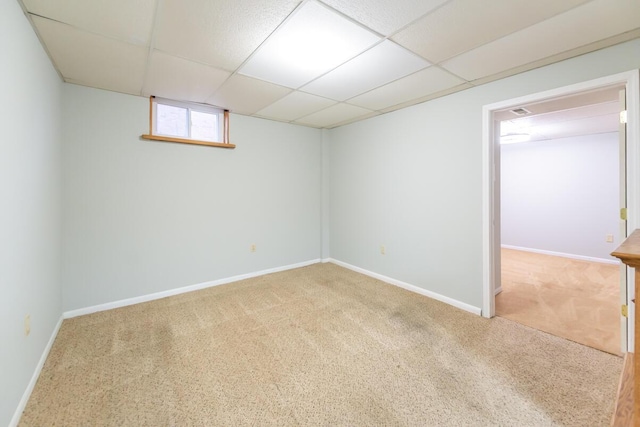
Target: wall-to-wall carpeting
[320, 345]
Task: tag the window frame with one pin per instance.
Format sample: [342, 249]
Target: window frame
[223, 123]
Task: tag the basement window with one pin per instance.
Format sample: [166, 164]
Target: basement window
[188, 123]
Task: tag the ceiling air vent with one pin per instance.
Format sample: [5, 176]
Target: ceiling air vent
[520, 111]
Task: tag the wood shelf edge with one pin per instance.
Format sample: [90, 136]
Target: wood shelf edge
[187, 141]
[623, 412]
[629, 251]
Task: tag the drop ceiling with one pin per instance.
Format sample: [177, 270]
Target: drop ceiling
[266, 58]
[586, 113]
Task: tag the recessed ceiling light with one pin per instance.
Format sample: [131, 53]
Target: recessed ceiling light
[513, 131]
[513, 138]
[314, 40]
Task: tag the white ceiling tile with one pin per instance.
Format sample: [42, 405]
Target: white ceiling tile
[426, 98]
[295, 105]
[355, 119]
[221, 33]
[93, 60]
[176, 78]
[581, 120]
[417, 85]
[377, 66]
[593, 102]
[586, 24]
[462, 25]
[313, 41]
[198, 45]
[581, 112]
[245, 95]
[128, 20]
[333, 115]
[385, 16]
[583, 126]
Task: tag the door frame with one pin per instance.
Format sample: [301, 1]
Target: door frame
[491, 181]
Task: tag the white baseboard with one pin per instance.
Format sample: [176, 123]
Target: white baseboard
[34, 378]
[498, 290]
[458, 304]
[177, 291]
[562, 254]
[150, 297]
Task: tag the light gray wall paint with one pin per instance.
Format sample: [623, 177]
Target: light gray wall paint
[145, 216]
[30, 214]
[326, 196]
[411, 179]
[562, 195]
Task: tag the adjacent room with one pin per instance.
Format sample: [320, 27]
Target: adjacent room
[562, 188]
[273, 213]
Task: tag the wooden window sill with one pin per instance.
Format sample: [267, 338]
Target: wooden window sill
[187, 141]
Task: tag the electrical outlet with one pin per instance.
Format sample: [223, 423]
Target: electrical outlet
[253, 247]
[382, 250]
[27, 325]
[609, 238]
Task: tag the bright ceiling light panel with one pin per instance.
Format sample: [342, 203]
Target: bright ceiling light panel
[313, 41]
[379, 65]
[515, 138]
[514, 131]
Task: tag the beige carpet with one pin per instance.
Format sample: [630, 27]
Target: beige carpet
[319, 345]
[573, 299]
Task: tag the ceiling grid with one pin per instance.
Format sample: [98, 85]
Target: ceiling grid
[318, 63]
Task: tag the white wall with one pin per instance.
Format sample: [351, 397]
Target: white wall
[412, 179]
[144, 216]
[562, 195]
[30, 222]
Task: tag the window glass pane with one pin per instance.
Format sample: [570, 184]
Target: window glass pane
[204, 126]
[171, 121]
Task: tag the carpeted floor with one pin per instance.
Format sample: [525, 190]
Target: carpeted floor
[320, 345]
[574, 299]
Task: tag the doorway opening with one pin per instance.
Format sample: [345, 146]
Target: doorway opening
[559, 197]
[571, 99]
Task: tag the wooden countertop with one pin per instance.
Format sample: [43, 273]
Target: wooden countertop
[629, 250]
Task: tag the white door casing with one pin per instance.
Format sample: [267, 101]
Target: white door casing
[622, 150]
[490, 180]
